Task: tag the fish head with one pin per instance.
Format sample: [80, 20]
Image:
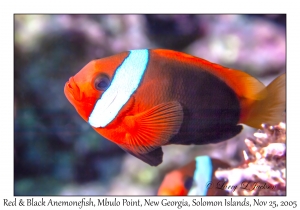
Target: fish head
[85, 88]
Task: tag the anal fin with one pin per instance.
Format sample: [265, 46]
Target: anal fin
[153, 158]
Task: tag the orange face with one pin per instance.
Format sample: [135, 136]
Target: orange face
[87, 86]
[80, 91]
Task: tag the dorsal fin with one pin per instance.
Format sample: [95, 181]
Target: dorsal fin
[243, 84]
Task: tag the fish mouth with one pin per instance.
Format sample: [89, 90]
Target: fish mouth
[72, 90]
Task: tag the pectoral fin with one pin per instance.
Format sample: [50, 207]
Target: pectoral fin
[153, 128]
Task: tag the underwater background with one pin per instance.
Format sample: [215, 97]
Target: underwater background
[57, 153]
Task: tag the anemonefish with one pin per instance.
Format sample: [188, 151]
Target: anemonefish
[198, 174]
[204, 178]
[144, 99]
[178, 181]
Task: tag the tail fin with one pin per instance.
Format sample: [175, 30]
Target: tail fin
[270, 109]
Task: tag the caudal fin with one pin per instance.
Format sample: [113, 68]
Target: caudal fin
[271, 109]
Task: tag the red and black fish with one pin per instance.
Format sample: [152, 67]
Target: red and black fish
[145, 99]
[199, 173]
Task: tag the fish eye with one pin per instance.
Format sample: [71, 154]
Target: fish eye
[102, 82]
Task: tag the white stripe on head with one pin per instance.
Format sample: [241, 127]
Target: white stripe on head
[124, 83]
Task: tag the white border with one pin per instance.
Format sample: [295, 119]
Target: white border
[8, 8]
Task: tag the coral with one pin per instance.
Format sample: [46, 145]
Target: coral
[263, 171]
